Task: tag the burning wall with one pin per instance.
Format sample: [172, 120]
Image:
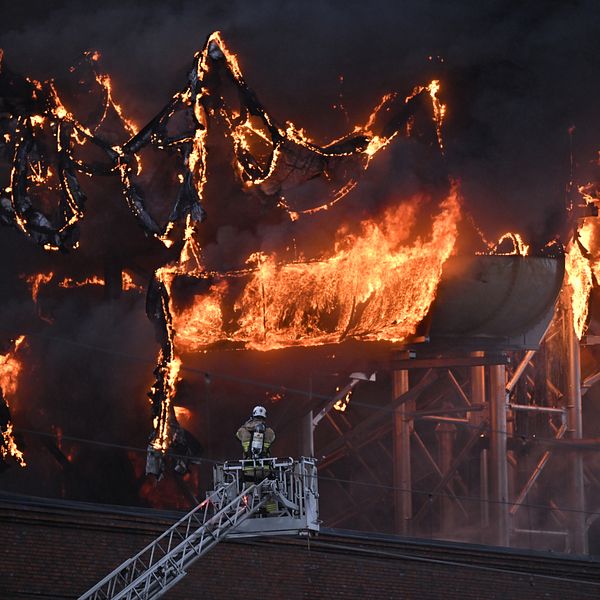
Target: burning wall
[376, 285]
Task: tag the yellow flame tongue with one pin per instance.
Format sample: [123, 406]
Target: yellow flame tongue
[374, 287]
[580, 271]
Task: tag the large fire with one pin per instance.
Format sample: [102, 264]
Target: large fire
[374, 286]
[580, 278]
[582, 262]
[376, 282]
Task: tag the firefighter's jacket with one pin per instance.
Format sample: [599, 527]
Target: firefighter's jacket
[245, 433]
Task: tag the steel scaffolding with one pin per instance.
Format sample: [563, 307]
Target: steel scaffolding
[484, 443]
[499, 394]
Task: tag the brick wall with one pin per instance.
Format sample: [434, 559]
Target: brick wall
[58, 550]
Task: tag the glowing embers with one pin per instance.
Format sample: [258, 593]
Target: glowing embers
[276, 157]
[154, 192]
[296, 159]
[375, 285]
[253, 146]
[39, 154]
[10, 372]
[90, 99]
[509, 244]
[174, 154]
[342, 404]
[51, 147]
[91, 135]
[106, 83]
[45, 198]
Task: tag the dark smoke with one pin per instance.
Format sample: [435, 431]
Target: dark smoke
[515, 76]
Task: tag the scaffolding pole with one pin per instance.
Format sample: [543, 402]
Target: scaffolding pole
[575, 431]
[498, 463]
[475, 418]
[446, 435]
[402, 472]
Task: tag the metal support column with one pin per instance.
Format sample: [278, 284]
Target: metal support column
[477, 391]
[575, 431]
[475, 418]
[498, 462]
[308, 443]
[446, 435]
[402, 472]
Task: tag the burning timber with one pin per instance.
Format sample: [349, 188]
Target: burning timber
[375, 286]
[49, 149]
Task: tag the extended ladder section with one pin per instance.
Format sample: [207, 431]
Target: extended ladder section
[161, 564]
[277, 495]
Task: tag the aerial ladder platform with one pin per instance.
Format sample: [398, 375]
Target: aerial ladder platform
[255, 497]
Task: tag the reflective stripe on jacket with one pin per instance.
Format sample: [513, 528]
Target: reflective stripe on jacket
[244, 434]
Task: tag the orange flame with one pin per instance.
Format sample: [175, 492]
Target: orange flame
[579, 277]
[373, 287]
[580, 271]
[105, 81]
[171, 364]
[69, 282]
[342, 404]
[10, 371]
[582, 262]
[161, 423]
[245, 133]
[126, 281]
[439, 109]
[9, 446]
[519, 247]
[36, 281]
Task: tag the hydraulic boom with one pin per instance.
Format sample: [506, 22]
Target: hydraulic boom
[284, 501]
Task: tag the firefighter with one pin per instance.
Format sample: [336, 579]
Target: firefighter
[256, 439]
[255, 436]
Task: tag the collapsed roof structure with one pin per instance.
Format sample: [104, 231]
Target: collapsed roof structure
[50, 149]
[488, 311]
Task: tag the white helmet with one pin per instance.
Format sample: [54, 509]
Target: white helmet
[259, 411]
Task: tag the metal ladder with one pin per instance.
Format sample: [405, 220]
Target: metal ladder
[161, 564]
